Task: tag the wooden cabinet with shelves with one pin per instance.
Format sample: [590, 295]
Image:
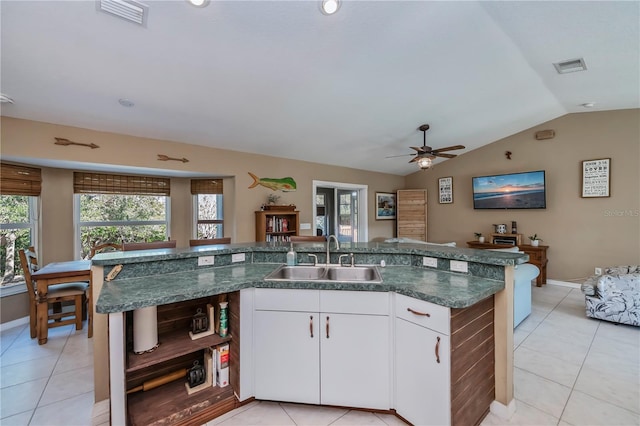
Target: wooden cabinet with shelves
[170, 403]
[537, 256]
[276, 225]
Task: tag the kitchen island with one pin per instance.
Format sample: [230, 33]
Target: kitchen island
[463, 305]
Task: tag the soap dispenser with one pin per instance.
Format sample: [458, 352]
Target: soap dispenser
[291, 256]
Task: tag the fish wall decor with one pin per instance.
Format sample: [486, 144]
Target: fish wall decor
[286, 184]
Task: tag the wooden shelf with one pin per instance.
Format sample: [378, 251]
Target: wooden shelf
[170, 404]
[172, 345]
[264, 218]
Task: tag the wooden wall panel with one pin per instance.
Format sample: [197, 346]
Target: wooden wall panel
[411, 214]
[472, 362]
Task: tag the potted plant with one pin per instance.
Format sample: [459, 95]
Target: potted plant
[479, 236]
[535, 240]
[272, 199]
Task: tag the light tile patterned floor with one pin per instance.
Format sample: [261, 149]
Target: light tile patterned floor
[569, 370]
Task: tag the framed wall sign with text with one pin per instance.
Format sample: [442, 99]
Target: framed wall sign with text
[596, 175]
[445, 190]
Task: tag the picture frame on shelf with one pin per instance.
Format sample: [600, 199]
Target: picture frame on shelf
[385, 205]
[445, 190]
[596, 178]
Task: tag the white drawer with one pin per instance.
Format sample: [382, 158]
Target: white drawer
[423, 313]
[276, 299]
[354, 302]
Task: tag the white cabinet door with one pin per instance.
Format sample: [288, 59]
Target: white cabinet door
[287, 356]
[422, 383]
[354, 350]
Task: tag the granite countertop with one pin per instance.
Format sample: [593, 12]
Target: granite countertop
[432, 250]
[443, 288]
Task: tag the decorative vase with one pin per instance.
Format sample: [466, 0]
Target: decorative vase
[535, 243]
[481, 239]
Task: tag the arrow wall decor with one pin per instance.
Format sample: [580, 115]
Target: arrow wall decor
[162, 157]
[67, 142]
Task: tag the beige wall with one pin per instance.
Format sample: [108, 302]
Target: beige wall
[27, 141]
[581, 233]
[23, 140]
[14, 307]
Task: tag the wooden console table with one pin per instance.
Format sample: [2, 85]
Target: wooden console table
[537, 256]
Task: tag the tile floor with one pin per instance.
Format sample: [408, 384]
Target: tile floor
[569, 370]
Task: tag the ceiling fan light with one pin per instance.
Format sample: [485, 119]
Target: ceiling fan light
[424, 163]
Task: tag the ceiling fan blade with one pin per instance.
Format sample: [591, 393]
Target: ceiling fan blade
[421, 149]
[448, 148]
[396, 156]
[442, 154]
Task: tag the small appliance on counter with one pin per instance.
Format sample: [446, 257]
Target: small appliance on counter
[500, 228]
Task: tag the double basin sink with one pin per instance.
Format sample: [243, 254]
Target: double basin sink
[356, 274]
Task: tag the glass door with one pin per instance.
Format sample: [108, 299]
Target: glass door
[347, 215]
[340, 209]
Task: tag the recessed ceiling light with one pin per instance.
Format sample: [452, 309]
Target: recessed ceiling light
[5, 99]
[588, 104]
[126, 103]
[572, 65]
[329, 7]
[199, 3]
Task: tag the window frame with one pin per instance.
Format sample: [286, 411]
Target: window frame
[34, 226]
[77, 224]
[195, 205]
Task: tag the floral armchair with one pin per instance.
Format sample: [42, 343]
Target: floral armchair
[615, 295]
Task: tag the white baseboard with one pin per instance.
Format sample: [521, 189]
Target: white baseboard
[15, 323]
[563, 283]
[503, 411]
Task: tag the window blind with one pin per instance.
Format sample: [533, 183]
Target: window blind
[206, 186]
[101, 183]
[20, 180]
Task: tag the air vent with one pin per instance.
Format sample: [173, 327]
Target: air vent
[571, 65]
[131, 10]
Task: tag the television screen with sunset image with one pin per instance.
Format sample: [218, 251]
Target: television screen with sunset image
[510, 191]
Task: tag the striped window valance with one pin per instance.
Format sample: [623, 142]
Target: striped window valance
[100, 183]
[206, 186]
[20, 180]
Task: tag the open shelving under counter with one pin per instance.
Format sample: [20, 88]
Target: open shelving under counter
[155, 381]
[171, 405]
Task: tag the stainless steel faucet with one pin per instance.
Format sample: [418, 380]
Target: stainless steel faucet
[329, 246]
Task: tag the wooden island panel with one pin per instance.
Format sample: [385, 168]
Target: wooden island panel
[472, 362]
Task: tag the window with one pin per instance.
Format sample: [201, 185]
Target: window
[208, 208]
[18, 231]
[117, 209]
[19, 188]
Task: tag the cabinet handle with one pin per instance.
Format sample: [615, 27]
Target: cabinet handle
[327, 327]
[419, 313]
[438, 350]
[311, 326]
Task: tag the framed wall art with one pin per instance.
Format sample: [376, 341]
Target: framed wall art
[445, 190]
[596, 175]
[385, 206]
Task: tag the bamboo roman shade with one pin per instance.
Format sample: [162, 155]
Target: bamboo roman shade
[20, 180]
[100, 183]
[206, 186]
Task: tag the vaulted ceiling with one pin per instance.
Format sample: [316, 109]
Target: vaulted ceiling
[282, 79]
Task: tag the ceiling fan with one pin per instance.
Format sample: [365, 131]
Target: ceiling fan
[424, 154]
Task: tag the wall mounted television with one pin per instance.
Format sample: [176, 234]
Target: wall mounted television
[524, 190]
